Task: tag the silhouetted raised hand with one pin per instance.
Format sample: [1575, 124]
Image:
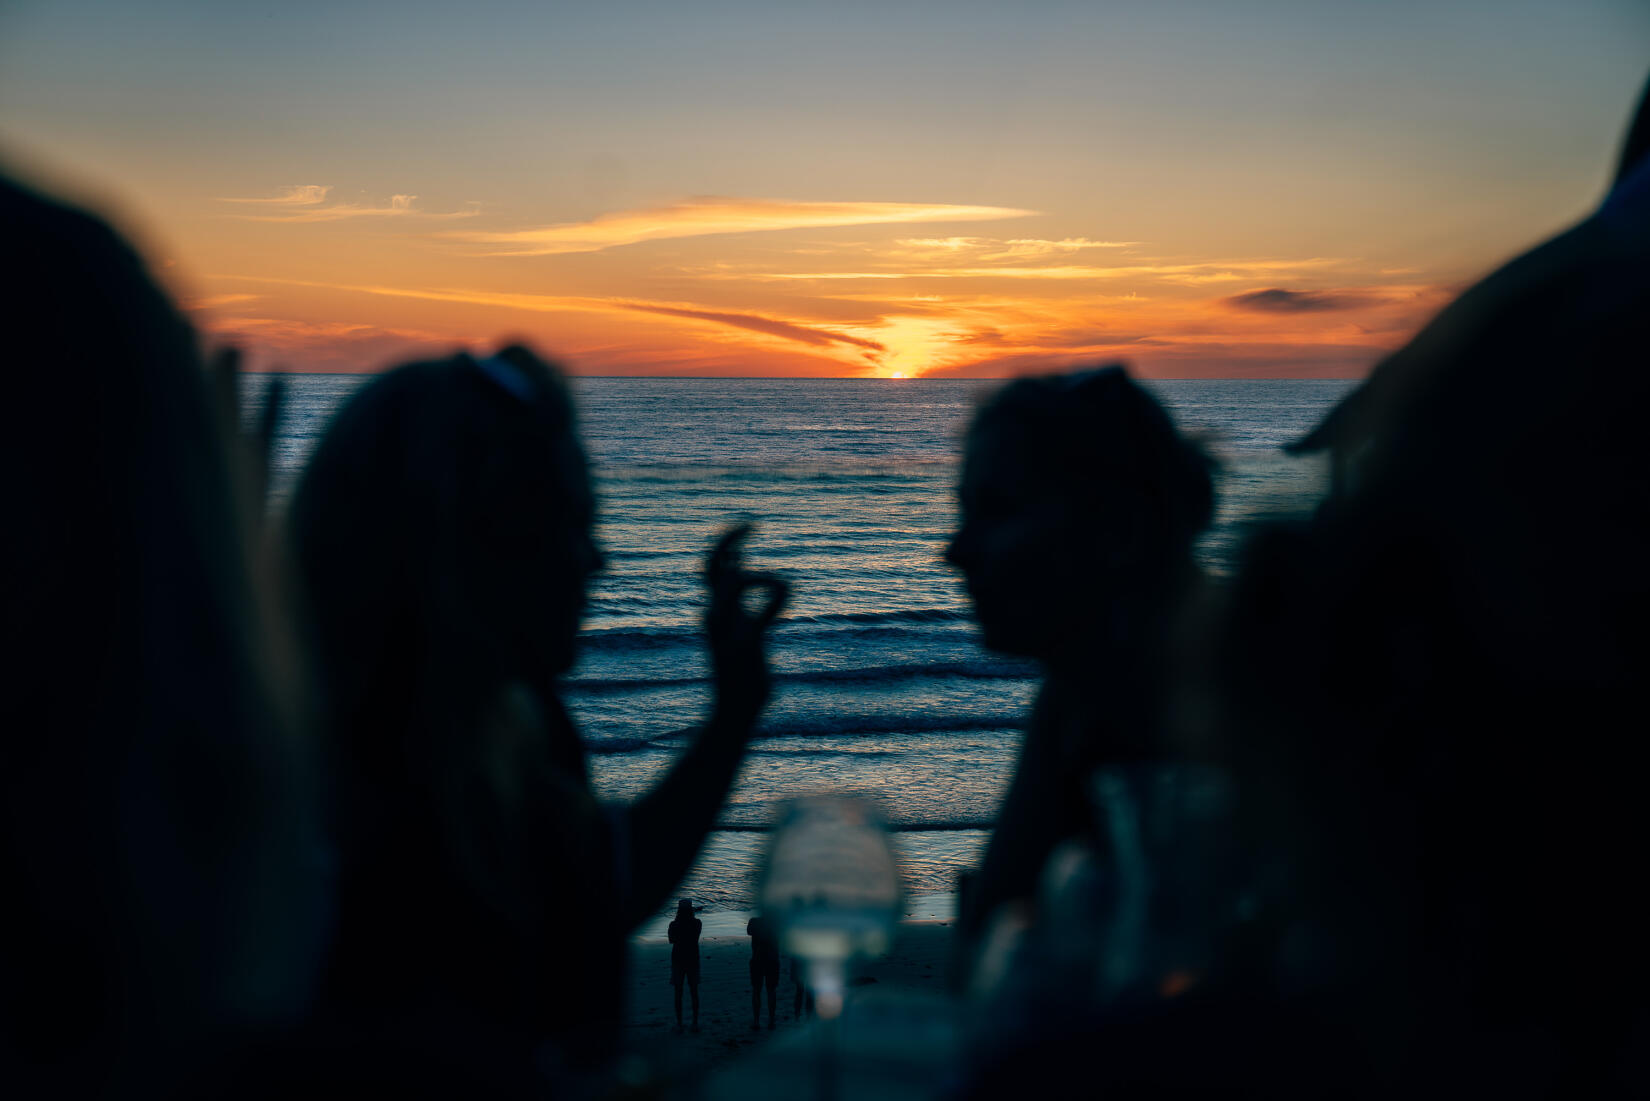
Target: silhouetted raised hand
[465, 806]
[670, 822]
[738, 659]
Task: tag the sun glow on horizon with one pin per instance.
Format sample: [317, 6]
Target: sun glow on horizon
[1164, 314]
[742, 189]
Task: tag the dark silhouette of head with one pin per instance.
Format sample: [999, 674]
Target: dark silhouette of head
[443, 533]
[684, 908]
[1078, 497]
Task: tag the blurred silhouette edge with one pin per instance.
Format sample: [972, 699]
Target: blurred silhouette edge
[168, 887]
[1080, 502]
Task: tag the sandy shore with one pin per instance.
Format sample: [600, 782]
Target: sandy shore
[916, 962]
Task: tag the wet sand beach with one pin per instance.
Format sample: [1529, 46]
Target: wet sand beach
[916, 963]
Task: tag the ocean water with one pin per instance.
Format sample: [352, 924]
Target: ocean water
[881, 686]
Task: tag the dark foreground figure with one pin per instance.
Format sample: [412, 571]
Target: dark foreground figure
[1080, 502]
[443, 531]
[1466, 618]
[1429, 697]
[160, 850]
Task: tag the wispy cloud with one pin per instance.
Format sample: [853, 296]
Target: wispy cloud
[1074, 338]
[322, 330]
[759, 323]
[818, 336]
[1279, 300]
[296, 195]
[988, 326]
[307, 203]
[1214, 271]
[985, 250]
[289, 344]
[217, 301]
[703, 216]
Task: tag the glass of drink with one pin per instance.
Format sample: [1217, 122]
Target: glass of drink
[831, 888]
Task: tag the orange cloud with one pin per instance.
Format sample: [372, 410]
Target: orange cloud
[321, 346]
[987, 249]
[217, 301]
[542, 303]
[1190, 274]
[303, 204]
[982, 332]
[757, 323]
[704, 216]
[746, 298]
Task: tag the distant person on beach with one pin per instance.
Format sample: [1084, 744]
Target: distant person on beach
[803, 1005]
[443, 533]
[1079, 505]
[161, 852]
[684, 958]
[764, 968]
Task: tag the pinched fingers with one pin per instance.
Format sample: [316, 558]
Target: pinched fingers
[778, 591]
[729, 581]
[722, 563]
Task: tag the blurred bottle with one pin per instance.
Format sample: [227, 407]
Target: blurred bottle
[831, 889]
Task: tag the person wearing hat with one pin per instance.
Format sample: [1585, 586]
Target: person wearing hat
[684, 958]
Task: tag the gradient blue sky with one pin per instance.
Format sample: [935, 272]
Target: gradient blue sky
[869, 189]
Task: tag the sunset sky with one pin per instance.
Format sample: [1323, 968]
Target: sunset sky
[941, 189]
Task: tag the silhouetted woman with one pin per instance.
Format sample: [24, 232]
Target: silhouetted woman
[684, 958]
[443, 530]
[160, 860]
[1080, 503]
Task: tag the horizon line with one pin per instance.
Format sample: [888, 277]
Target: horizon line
[873, 378]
